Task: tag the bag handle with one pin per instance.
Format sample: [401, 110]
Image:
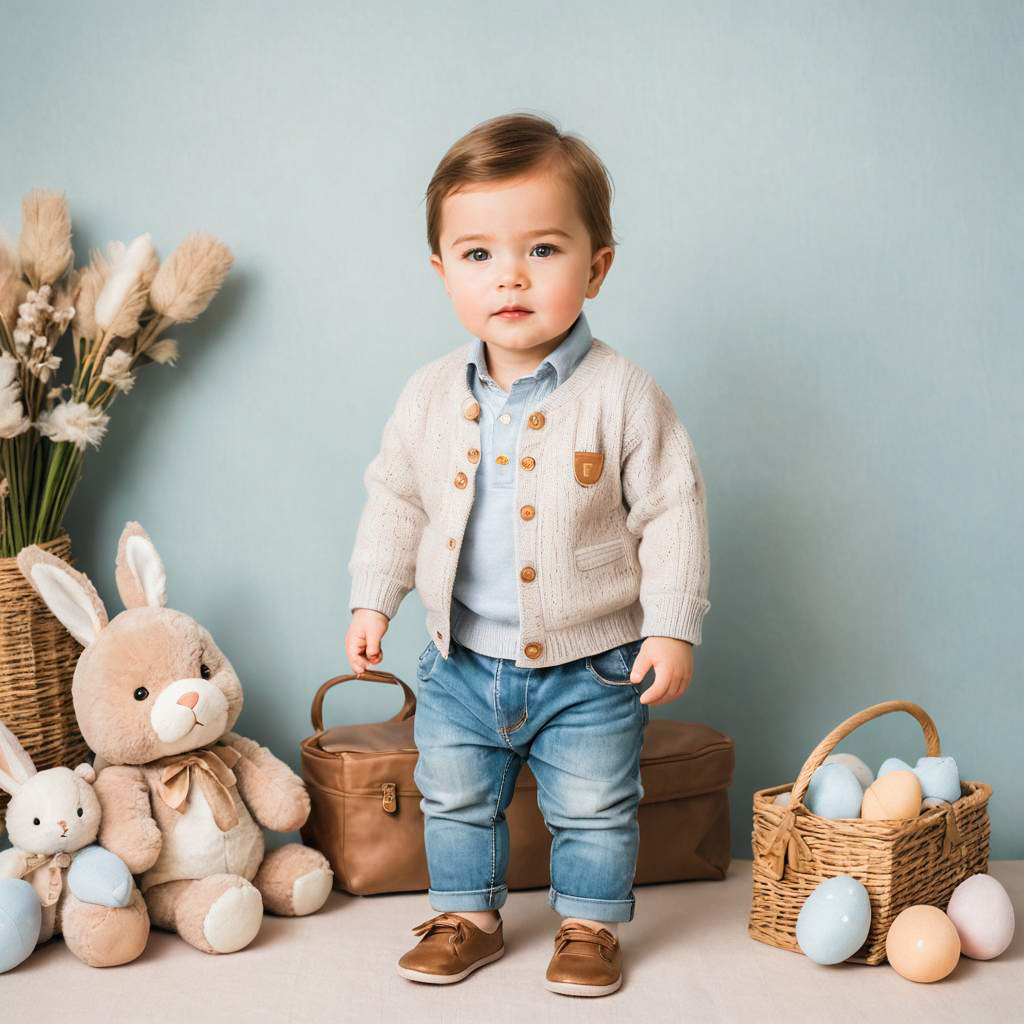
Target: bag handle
[824, 748]
[407, 710]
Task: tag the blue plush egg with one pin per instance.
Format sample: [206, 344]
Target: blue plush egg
[99, 876]
[939, 778]
[834, 792]
[21, 917]
[834, 920]
[893, 764]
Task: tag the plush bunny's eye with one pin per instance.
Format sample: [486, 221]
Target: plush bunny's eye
[35, 821]
[204, 671]
[141, 693]
[80, 812]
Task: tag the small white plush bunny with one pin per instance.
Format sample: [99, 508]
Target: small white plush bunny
[81, 891]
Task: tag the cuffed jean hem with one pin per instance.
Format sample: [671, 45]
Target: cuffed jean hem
[469, 899]
[591, 909]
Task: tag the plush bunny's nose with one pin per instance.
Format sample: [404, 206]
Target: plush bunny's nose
[189, 700]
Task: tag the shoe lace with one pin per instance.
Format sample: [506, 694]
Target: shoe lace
[441, 923]
[602, 938]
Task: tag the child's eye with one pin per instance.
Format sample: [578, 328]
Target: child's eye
[545, 245]
[470, 253]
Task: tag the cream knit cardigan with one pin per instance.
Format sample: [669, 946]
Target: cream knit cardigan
[622, 556]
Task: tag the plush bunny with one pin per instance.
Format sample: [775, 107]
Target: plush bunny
[183, 797]
[80, 890]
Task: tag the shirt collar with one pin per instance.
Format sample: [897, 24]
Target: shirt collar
[563, 360]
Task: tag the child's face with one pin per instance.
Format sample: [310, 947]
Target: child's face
[519, 260]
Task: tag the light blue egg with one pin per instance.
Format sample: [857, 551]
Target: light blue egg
[834, 920]
[99, 876]
[21, 917]
[834, 792]
[939, 778]
[893, 764]
[855, 764]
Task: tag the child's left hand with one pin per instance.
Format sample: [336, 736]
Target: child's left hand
[672, 661]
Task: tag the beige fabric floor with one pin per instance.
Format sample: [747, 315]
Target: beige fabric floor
[687, 957]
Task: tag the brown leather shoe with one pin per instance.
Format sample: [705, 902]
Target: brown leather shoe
[586, 962]
[451, 947]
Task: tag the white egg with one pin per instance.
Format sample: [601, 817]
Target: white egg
[855, 764]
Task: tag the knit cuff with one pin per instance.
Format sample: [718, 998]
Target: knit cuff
[379, 593]
[675, 615]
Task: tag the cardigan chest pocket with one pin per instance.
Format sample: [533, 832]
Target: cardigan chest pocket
[594, 555]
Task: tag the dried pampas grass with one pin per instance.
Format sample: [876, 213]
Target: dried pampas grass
[190, 277]
[45, 251]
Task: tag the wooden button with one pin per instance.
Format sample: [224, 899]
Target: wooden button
[536, 420]
[461, 479]
[533, 650]
[527, 512]
[451, 543]
[502, 460]
[473, 455]
[528, 462]
[528, 574]
[472, 410]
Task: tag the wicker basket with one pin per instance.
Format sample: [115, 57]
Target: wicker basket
[37, 662]
[900, 863]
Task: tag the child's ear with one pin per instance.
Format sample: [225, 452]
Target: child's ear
[16, 767]
[141, 577]
[68, 593]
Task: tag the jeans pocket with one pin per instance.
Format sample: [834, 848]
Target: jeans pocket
[425, 662]
[612, 667]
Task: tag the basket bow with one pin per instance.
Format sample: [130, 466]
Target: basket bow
[786, 845]
[211, 769]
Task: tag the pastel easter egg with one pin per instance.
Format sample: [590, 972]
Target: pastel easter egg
[855, 764]
[101, 877]
[982, 913]
[939, 777]
[834, 792]
[896, 794]
[834, 920]
[21, 918]
[783, 799]
[893, 764]
[930, 803]
[922, 944]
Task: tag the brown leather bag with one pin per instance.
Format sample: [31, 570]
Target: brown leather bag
[366, 816]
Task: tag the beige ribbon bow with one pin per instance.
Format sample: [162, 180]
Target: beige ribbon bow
[785, 844]
[45, 873]
[212, 770]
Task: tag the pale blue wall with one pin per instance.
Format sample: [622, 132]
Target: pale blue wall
[819, 206]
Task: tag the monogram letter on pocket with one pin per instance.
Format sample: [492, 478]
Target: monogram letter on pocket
[587, 467]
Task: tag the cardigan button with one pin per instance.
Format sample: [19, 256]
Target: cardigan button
[438, 635]
[451, 543]
[536, 420]
[527, 512]
[528, 574]
[461, 479]
[528, 462]
[471, 410]
[502, 460]
[533, 651]
[473, 455]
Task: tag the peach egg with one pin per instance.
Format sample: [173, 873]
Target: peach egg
[894, 795]
[922, 944]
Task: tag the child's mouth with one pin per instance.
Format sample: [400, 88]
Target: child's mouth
[513, 314]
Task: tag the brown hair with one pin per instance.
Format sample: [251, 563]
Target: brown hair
[512, 145]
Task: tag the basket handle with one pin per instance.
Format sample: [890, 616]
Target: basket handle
[407, 710]
[824, 748]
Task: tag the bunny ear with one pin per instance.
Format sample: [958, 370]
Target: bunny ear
[16, 767]
[140, 574]
[68, 593]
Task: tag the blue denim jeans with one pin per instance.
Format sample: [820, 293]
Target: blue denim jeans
[579, 726]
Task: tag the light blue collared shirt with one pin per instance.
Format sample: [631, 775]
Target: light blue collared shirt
[485, 604]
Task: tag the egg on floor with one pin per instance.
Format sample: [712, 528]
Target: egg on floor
[834, 920]
[981, 910]
[922, 944]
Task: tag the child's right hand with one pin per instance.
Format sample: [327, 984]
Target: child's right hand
[362, 642]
